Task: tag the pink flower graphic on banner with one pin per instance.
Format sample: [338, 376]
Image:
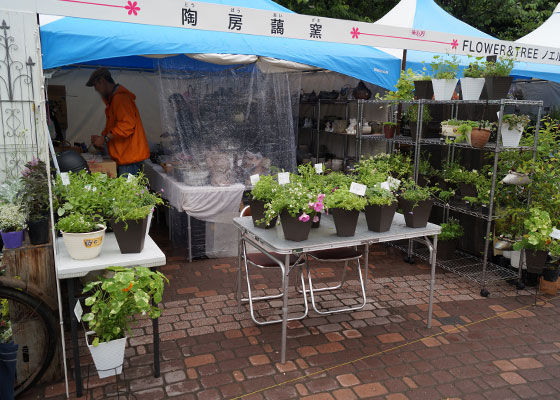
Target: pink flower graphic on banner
[454, 44]
[132, 8]
[355, 33]
[304, 217]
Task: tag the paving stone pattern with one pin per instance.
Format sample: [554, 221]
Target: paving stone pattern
[210, 350]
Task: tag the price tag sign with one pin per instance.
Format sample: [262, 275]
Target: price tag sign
[358, 188]
[319, 168]
[129, 178]
[385, 185]
[65, 178]
[254, 179]
[555, 234]
[283, 178]
[78, 311]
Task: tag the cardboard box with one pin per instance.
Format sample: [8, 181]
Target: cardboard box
[547, 287]
[106, 166]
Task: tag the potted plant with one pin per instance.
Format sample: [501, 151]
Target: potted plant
[12, 224]
[389, 129]
[130, 207]
[423, 88]
[82, 235]
[404, 88]
[537, 241]
[114, 301]
[412, 115]
[449, 127]
[316, 183]
[512, 129]
[345, 208]
[416, 204]
[551, 272]
[380, 209]
[444, 77]
[473, 80]
[466, 181]
[263, 191]
[497, 79]
[296, 205]
[480, 134]
[34, 195]
[451, 231]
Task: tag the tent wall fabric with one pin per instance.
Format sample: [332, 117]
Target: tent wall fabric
[547, 33]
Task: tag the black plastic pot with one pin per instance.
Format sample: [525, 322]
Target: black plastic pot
[446, 249]
[293, 228]
[467, 190]
[345, 221]
[497, 87]
[535, 259]
[132, 239]
[318, 223]
[38, 231]
[423, 90]
[257, 213]
[423, 181]
[380, 218]
[413, 127]
[416, 216]
[550, 273]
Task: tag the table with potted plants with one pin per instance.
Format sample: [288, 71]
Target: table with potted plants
[319, 211]
[126, 285]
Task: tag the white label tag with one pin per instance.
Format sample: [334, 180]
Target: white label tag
[129, 178]
[65, 178]
[555, 234]
[78, 311]
[283, 178]
[254, 179]
[358, 188]
[385, 185]
[319, 168]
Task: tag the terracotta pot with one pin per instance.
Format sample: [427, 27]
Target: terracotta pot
[380, 218]
[361, 92]
[497, 87]
[389, 131]
[535, 259]
[479, 137]
[416, 216]
[293, 228]
[257, 213]
[467, 190]
[38, 231]
[345, 221]
[423, 90]
[446, 249]
[132, 239]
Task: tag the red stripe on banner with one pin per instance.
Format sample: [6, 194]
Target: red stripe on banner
[399, 37]
[92, 4]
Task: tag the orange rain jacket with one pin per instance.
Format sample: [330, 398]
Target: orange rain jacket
[129, 144]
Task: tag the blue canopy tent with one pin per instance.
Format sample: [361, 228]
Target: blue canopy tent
[70, 41]
[427, 15]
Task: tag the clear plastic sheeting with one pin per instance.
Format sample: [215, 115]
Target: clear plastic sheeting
[223, 126]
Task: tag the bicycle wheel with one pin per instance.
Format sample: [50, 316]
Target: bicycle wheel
[29, 323]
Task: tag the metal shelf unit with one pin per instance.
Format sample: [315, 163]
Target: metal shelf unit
[479, 270]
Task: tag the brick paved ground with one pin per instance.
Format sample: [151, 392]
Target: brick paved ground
[211, 351]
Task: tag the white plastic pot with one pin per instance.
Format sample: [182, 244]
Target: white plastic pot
[84, 246]
[511, 135]
[471, 88]
[108, 357]
[449, 130]
[444, 88]
[516, 178]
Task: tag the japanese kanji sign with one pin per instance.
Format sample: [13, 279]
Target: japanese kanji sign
[222, 18]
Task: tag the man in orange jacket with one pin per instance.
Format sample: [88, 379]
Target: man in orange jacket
[124, 133]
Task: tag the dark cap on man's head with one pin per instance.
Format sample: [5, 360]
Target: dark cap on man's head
[98, 73]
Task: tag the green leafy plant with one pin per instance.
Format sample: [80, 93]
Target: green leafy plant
[376, 196]
[412, 113]
[404, 88]
[475, 69]
[294, 197]
[538, 226]
[9, 191]
[78, 223]
[390, 123]
[410, 191]
[86, 194]
[444, 68]
[114, 302]
[265, 188]
[501, 67]
[5, 322]
[343, 198]
[34, 193]
[451, 230]
[423, 75]
[445, 195]
[12, 218]
[514, 120]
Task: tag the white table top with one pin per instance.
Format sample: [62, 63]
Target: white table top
[110, 256]
[325, 236]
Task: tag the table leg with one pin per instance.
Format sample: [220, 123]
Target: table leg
[189, 231]
[433, 260]
[285, 281]
[366, 259]
[74, 327]
[239, 250]
[155, 326]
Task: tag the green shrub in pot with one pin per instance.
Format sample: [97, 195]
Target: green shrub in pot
[537, 241]
[416, 203]
[444, 76]
[451, 231]
[497, 79]
[12, 223]
[34, 195]
[83, 235]
[345, 207]
[380, 209]
[262, 193]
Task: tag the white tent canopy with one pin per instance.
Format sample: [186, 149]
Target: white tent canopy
[548, 34]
